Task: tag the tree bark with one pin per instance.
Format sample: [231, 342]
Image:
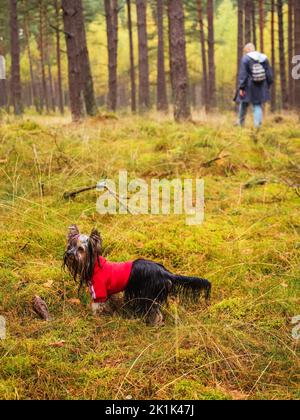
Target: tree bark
[111, 14]
[273, 56]
[283, 79]
[248, 37]
[69, 17]
[240, 34]
[35, 98]
[179, 73]
[131, 52]
[262, 24]
[42, 53]
[49, 67]
[58, 58]
[297, 51]
[87, 84]
[211, 53]
[144, 87]
[291, 51]
[253, 12]
[162, 100]
[203, 55]
[16, 91]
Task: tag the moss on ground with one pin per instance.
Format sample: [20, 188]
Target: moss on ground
[239, 347]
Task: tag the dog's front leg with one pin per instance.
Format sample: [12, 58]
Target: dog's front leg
[101, 308]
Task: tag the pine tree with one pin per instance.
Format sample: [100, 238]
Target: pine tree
[144, 87]
[87, 84]
[203, 55]
[131, 56]
[297, 50]
[69, 17]
[162, 100]
[16, 90]
[178, 62]
[282, 60]
[211, 53]
[111, 15]
[58, 57]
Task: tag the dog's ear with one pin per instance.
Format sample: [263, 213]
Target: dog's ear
[96, 239]
[72, 232]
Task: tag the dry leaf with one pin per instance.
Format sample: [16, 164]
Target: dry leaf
[74, 301]
[58, 344]
[49, 284]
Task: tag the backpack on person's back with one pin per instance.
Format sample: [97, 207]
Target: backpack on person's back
[258, 72]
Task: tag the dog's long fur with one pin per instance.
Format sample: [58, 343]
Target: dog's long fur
[149, 284]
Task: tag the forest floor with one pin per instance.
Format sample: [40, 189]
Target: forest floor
[238, 347]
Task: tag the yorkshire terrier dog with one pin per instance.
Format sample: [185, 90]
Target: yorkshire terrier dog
[146, 284]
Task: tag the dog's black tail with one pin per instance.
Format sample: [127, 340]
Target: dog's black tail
[190, 287]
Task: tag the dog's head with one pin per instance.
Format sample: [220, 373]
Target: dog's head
[81, 254]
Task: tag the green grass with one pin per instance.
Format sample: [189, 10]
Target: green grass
[240, 346]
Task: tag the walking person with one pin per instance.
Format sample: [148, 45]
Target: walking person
[255, 80]
[3, 93]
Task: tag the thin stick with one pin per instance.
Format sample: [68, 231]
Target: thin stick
[71, 195]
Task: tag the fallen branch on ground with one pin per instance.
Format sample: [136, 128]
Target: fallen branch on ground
[220, 156]
[71, 195]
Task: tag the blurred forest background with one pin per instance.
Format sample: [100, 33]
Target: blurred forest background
[124, 54]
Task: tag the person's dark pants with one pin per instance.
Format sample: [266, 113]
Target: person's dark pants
[3, 93]
[257, 113]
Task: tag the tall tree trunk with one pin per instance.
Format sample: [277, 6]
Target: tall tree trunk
[253, 13]
[297, 50]
[131, 52]
[87, 84]
[112, 36]
[49, 67]
[115, 8]
[58, 58]
[162, 100]
[51, 86]
[179, 73]
[240, 46]
[283, 79]
[211, 53]
[69, 17]
[248, 8]
[35, 98]
[144, 87]
[261, 24]
[203, 55]
[16, 91]
[273, 56]
[41, 46]
[291, 51]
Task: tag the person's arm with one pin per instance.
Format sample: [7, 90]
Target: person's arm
[269, 74]
[244, 75]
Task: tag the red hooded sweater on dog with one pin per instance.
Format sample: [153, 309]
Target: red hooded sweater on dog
[108, 279]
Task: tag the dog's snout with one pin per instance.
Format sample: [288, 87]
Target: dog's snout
[71, 252]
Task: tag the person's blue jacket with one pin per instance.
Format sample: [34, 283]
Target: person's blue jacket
[256, 93]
